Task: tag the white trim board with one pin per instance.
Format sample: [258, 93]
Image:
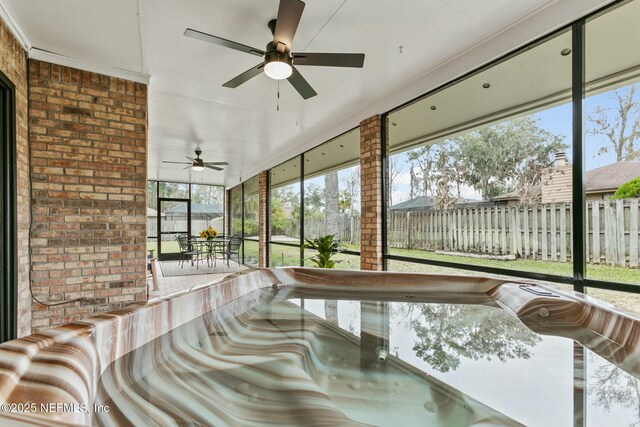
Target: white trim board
[54, 58]
[14, 27]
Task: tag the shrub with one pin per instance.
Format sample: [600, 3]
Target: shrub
[628, 190]
[326, 247]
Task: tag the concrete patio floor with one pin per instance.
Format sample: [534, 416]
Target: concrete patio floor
[167, 286]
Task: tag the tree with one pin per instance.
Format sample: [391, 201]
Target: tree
[209, 194]
[446, 333]
[620, 124]
[331, 200]
[415, 186]
[611, 386]
[445, 176]
[349, 195]
[437, 172]
[284, 206]
[507, 156]
[394, 171]
[628, 190]
[152, 195]
[313, 201]
[422, 168]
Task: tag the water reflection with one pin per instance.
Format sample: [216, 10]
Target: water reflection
[613, 389]
[331, 311]
[447, 333]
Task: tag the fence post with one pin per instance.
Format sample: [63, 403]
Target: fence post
[525, 227]
[620, 232]
[554, 232]
[595, 224]
[563, 232]
[609, 233]
[633, 233]
[534, 235]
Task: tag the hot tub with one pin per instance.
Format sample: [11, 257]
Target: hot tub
[298, 346]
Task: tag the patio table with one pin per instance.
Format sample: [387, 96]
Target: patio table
[214, 243]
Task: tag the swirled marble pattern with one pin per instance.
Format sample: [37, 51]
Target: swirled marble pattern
[86, 362]
[275, 365]
[62, 365]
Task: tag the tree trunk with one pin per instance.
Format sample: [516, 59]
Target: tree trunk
[331, 311]
[331, 208]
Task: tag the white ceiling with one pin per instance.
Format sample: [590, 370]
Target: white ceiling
[521, 86]
[189, 107]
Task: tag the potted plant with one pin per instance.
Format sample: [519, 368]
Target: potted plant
[327, 246]
[208, 233]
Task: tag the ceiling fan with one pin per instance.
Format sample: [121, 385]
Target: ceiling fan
[278, 60]
[198, 164]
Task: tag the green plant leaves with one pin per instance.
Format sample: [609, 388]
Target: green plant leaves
[326, 247]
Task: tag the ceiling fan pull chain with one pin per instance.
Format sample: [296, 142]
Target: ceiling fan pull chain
[278, 100]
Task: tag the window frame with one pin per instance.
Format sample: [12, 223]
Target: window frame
[8, 221]
[578, 279]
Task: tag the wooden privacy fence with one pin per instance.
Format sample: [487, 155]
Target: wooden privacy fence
[181, 226]
[348, 228]
[542, 232]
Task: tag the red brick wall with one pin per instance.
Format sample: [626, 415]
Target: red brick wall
[371, 193]
[263, 247]
[13, 64]
[88, 140]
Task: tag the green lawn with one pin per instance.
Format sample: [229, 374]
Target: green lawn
[281, 256]
[596, 272]
[251, 252]
[290, 256]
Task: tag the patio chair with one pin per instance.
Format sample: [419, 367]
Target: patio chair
[218, 249]
[234, 248]
[192, 250]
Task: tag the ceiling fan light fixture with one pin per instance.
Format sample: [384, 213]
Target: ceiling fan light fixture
[197, 168]
[278, 65]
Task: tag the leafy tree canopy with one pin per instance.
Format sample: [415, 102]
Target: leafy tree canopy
[628, 190]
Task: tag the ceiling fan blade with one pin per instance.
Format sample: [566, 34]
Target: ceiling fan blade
[195, 34]
[217, 163]
[188, 167]
[178, 163]
[244, 77]
[301, 85]
[355, 60]
[190, 158]
[212, 167]
[289, 14]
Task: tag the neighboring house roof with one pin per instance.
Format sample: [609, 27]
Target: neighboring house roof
[605, 179]
[513, 195]
[610, 177]
[196, 208]
[420, 202]
[152, 212]
[424, 202]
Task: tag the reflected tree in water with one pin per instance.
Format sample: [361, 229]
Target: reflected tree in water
[612, 388]
[447, 333]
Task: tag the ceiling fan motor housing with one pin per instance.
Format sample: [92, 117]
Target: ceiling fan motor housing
[275, 56]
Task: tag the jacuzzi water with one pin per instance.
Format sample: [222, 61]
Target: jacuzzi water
[289, 360]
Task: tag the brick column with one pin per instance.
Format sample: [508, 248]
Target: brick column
[88, 142]
[263, 246]
[371, 193]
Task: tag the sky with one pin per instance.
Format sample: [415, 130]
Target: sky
[556, 120]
